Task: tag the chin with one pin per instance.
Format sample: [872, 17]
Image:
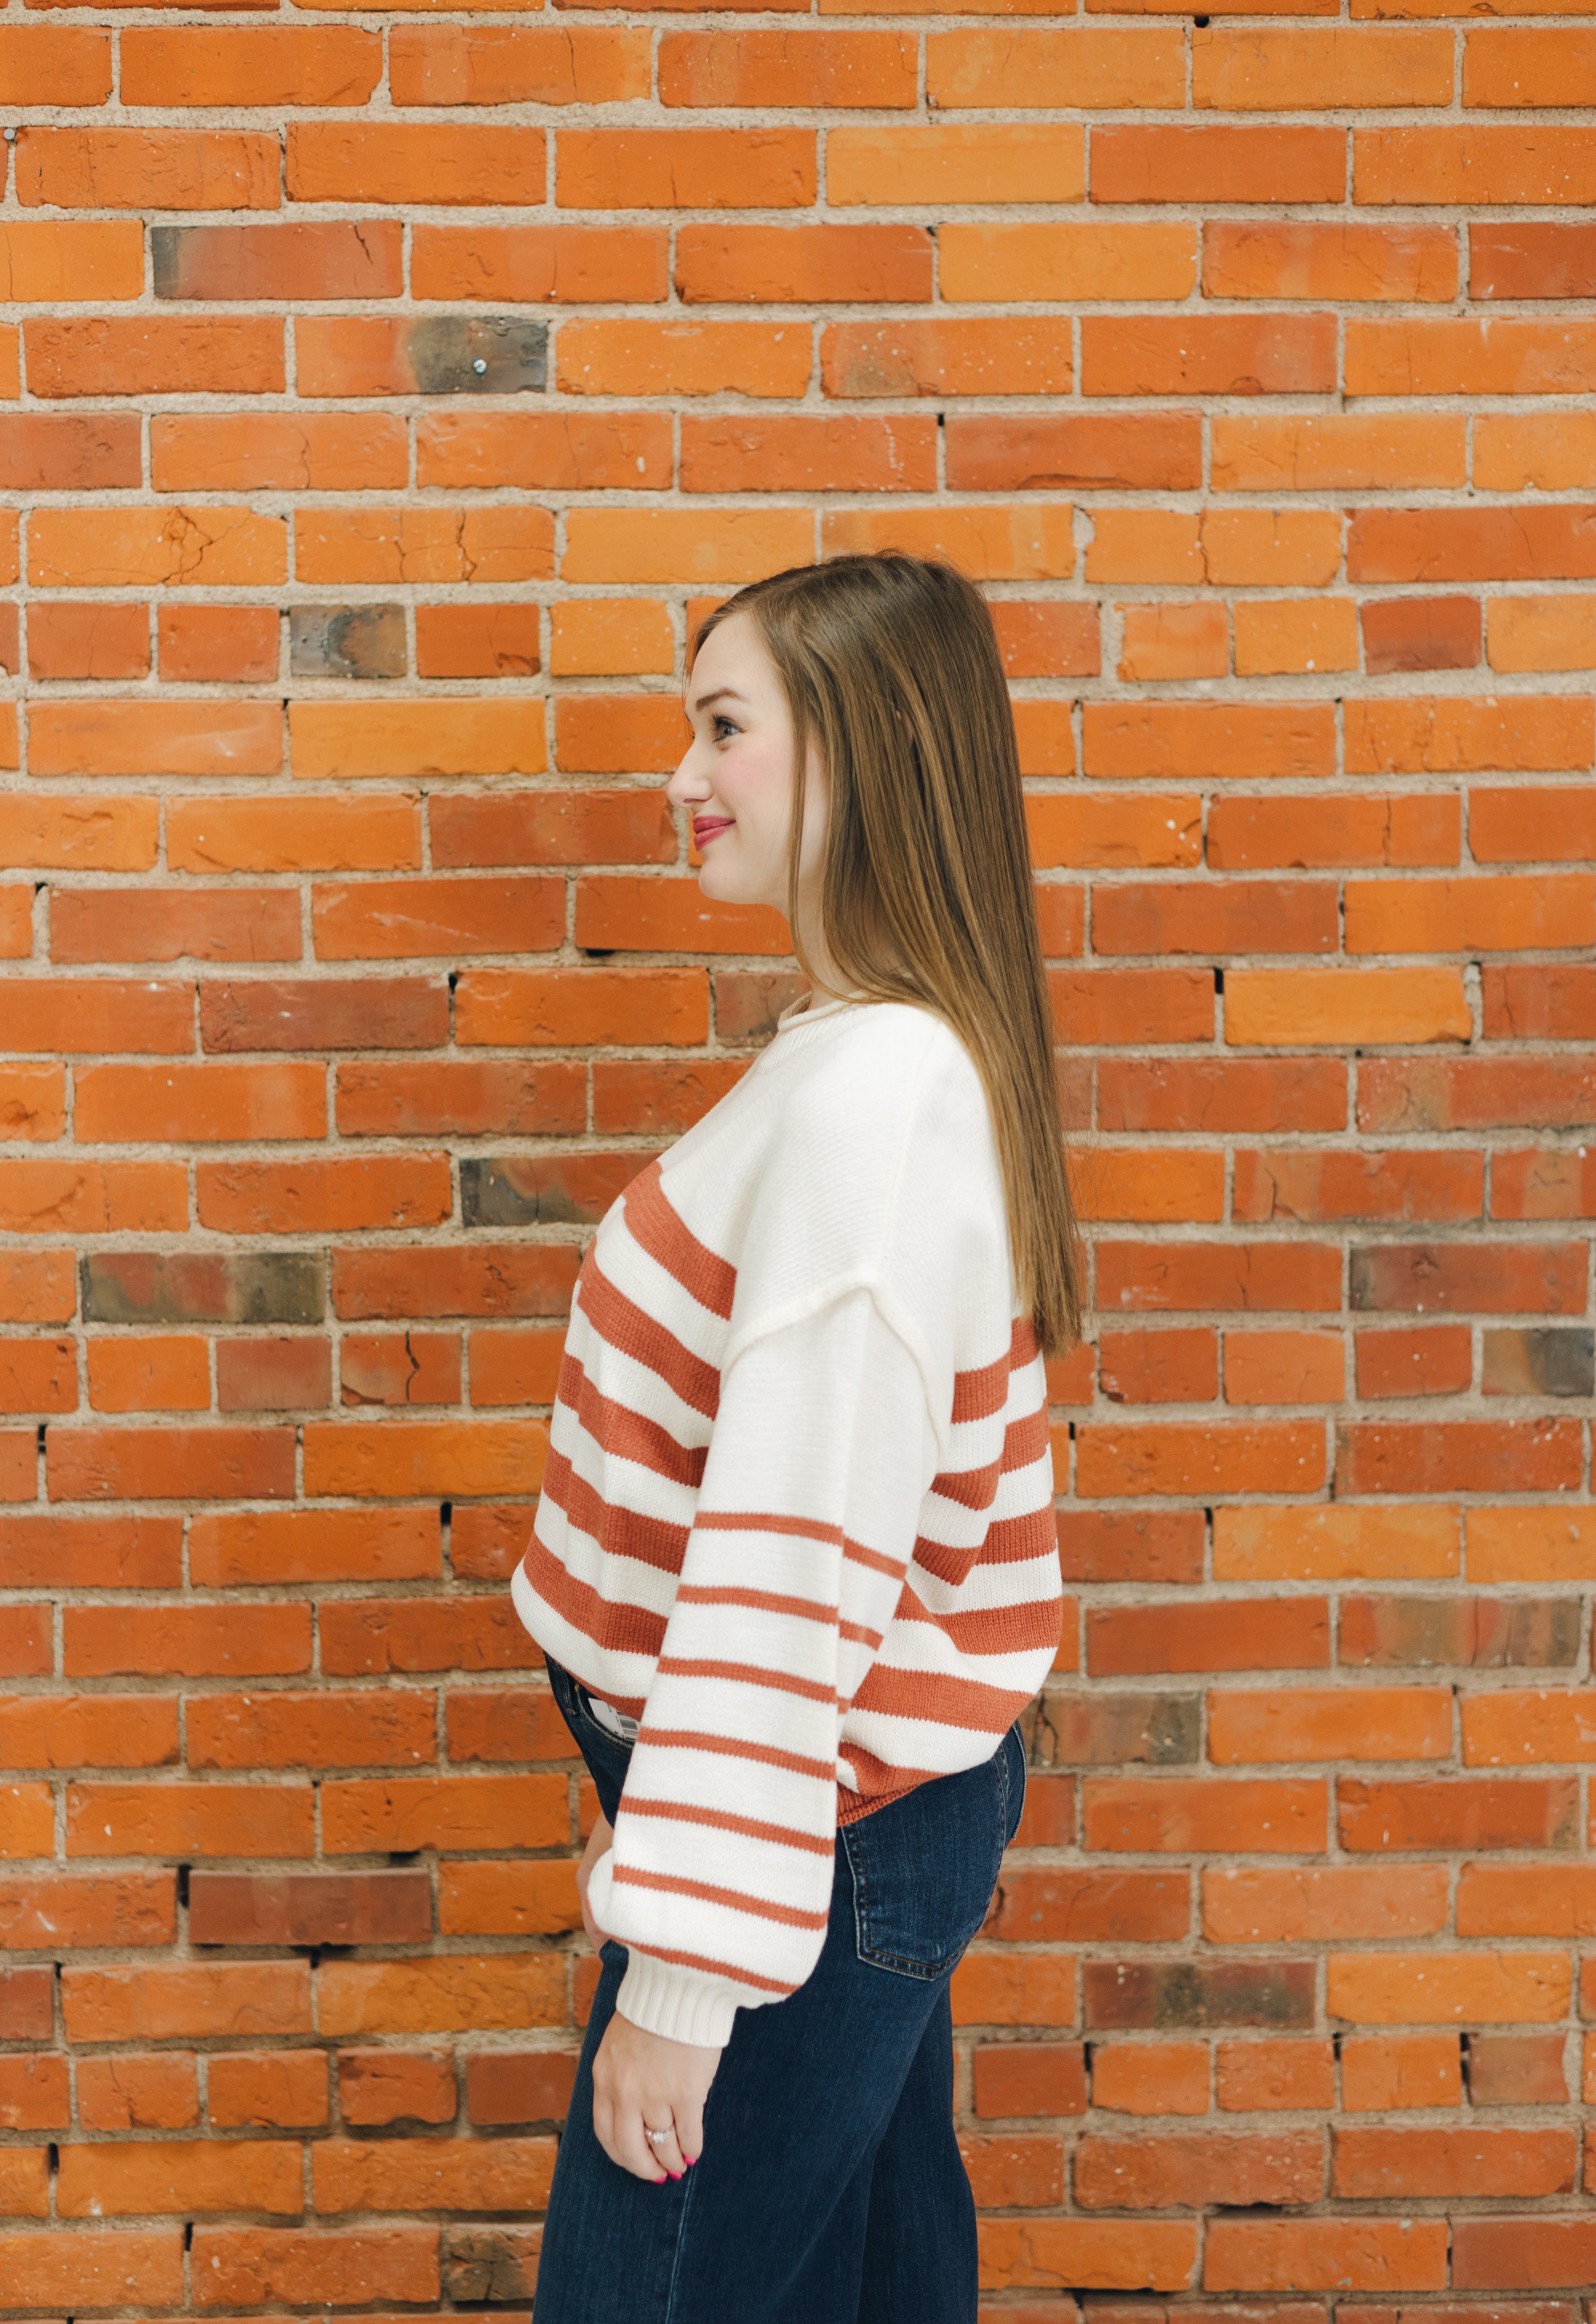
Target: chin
[718, 883]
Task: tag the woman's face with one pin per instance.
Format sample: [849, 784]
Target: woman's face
[736, 777]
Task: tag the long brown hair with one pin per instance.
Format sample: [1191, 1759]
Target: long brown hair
[891, 671]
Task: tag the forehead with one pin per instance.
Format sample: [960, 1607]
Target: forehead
[733, 655]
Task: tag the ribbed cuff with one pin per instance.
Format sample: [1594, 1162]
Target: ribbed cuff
[681, 2004]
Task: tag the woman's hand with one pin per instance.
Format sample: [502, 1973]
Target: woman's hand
[642, 2081]
[598, 1844]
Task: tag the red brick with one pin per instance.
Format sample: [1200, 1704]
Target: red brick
[797, 264]
[1186, 1814]
[249, 2266]
[1232, 1634]
[1198, 2168]
[1371, 2163]
[1357, 2254]
[1013, 2078]
[1473, 1812]
[1274, 2076]
[380, 2086]
[1300, 1184]
[35, 2093]
[1130, 1545]
[270, 2089]
[1458, 1456]
[145, 169]
[1425, 1361]
[156, 2092]
[1539, 2253]
[1150, 2078]
[69, 2270]
[1516, 2070]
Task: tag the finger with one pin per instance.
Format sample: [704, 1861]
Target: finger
[633, 2152]
[603, 2129]
[689, 2128]
[667, 2152]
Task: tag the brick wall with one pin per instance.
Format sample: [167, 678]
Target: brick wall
[363, 367]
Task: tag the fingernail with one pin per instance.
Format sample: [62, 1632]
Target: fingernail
[673, 2174]
[691, 2159]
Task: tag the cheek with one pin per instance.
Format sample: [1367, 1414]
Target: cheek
[757, 787]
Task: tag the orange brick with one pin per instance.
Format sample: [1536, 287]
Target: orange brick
[1266, 69]
[1151, 2078]
[787, 68]
[517, 64]
[44, 65]
[708, 546]
[1338, 451]
[477, 641]
[734, 453]
[1544, 451]
[203, 643]
[686, 169]
[1350, 261]
[1170, 640]
[149, 1375]
[1030, 355]
[154, 738]
[1465, 356]
[1520, 67]
[148, 169]
[1185, 740]
[1284, 1368]
[100, 261]
[151, 2092]
[539, 263]
[415, 739]
[1274, 2076]
[306, 835]
[1485, 914]
[954, 163]
[797, 264]
[1088, 66]
[1286, 636]
[1475, 164]
[377, 161]
[1304, 1006]
[1398, 2072]
[1065, 262]
[602, 637]
[211, 546]
[287, 66]
[1218, 165]
[268, 2089]
[1538, 632]
[637, 357]
[319, 451]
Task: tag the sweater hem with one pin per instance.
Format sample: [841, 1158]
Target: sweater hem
[681, 2005]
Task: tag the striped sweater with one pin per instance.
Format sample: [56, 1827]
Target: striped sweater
[798, 1518]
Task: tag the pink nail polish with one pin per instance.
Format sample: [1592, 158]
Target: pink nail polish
[673, 2174]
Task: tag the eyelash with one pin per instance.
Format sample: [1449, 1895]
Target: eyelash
[720, 721]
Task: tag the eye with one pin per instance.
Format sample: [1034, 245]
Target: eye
[720, 726]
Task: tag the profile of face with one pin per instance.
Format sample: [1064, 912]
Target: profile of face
[736, 777]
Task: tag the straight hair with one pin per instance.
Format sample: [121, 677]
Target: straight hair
[891, 671]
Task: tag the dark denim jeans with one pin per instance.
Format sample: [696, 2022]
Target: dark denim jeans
[830, 2189]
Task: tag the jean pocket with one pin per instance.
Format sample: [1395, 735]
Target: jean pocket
[925, 1869]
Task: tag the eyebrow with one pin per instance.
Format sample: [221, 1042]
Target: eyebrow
[720, 694]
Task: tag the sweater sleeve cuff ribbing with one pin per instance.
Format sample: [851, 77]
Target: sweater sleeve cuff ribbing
[683, 2004]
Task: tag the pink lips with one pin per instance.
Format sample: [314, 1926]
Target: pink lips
[710, 828]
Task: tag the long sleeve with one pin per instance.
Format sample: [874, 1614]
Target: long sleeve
[719, 1880]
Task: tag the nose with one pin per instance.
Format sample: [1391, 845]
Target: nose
[687, 784]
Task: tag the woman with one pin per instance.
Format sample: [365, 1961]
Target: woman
[794, 1567]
